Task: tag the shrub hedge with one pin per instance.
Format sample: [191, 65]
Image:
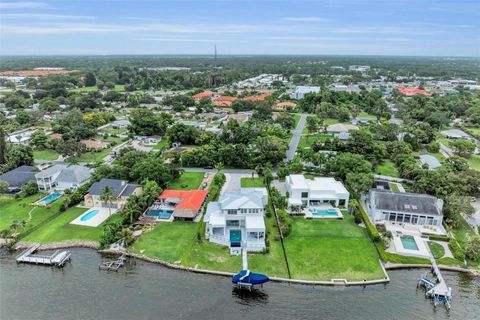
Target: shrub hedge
[457, 251]
[372, 231]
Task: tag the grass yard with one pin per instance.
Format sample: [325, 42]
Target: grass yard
[187, 181]
[60, 229]
[387, 168]
[438, 251]
[47, 154]
[118, 88]
[168, 241]
[326, 249]
[474, 161]
[161, 145]
[252, 183]
[394, 187]
[93, 157]
[463, 232]
[306, 141]
[17, 210]
[364, 115]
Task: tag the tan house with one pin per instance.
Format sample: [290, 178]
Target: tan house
[93, 144]
[121, 190]
[286, 105]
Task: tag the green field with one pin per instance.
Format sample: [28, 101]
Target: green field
[387, 168]
[92, 156]
[306, 141]
[46, 154]
[326, 249]
[17, 210]
[364, 115]
[118, 88]
[188, 181]
[162, 145]
[252, 183]
[394, 187]
[60, 229]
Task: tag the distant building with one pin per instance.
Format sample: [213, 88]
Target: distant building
[286, 105]
[301, 91]
[62, 177]
[201, 95]
[345, 88]
[340, 130]
[412, 91]
[359, 68]
[224, 101]
[430, 161]
[93, 144]
[455, 134]
[260, 97]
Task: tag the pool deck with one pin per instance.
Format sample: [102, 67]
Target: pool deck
[96, 220]
[422, 252]
[309, 215]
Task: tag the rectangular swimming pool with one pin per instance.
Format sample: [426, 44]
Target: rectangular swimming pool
[323, 212]
[159, 214]
[409, 243]
[49, 199]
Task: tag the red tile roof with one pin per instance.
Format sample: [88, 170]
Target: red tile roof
[260, 97]
[224, 101]
[190, 199]
[285, 105]
[204, 94]
[412, 91]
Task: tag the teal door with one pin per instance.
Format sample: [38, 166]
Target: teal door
[235, 236]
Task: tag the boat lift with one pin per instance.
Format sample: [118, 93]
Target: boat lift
[246, 279]
[437, 290]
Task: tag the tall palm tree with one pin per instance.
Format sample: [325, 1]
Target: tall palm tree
[108, 196]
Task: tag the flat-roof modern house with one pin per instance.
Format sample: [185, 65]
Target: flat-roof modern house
[122, 189]
[17, 177]
[236, 220]
[319, 191]
[404, 208]
[62, 177]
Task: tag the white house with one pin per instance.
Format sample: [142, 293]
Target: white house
[321, 190]
[236, 220]
[61, 177]
[340, 130]
[404, 208]
[301, 91]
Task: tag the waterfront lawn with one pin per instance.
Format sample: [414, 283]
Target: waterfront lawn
[387, 168]
[187, 181]
[46, 154]
[168, 241]
[331, 249]
[13, 209]
[437, 249]
[206, 255]
[252, 183]
[60, 229]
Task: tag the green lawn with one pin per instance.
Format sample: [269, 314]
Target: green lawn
[364, 115]
[474, 161]
[387, 168]
[437, 250]
[92, 157]
[394, 187]
[17, 210]
[326, 249]
[252, 182]
[60, 229]
[306, 141]
[463, 232]
[118, 88]
[161, 145]
[46, 154]
[188, 181]
[168, 241]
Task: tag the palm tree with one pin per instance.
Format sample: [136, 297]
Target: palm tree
[219, 166]
[108, 197]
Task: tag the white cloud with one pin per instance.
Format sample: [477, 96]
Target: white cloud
[306, 19]
[22, 5]
[44, 16]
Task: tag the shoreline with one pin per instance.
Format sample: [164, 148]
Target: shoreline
[84, 244]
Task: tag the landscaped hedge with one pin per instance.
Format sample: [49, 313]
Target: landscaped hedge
[372, 231]
[285, 222]
[216, 186]
[396, 258]
[457, 251]
[439, 238]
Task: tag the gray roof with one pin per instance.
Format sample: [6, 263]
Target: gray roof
[50, 171]
[75, 174]
[406, 202]
[120, 187]
[430, 161]
[19, 176]
[455, 133]
[236, 200]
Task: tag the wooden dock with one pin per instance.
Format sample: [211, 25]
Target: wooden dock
[113, 265]
[58, 258]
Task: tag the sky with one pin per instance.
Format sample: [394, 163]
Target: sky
[290, 27]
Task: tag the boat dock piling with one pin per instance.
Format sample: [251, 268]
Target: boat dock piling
[437, 290]
[58, 258]
[113, 265]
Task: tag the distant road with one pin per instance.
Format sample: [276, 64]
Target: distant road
[297, 134]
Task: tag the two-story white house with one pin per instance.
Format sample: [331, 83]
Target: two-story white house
[236, 220]
[61, 177]
[315, 192]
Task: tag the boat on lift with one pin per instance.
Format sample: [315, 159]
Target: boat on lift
[246, 279]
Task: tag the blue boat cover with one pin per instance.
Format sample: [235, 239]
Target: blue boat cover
[251, 278]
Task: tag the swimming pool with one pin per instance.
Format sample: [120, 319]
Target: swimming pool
[49, 199]
[160, 214]
[323, 212]
[89, 215]
[409, 243]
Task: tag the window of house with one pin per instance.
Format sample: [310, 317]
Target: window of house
[230, 211]
[233, 223]
[304, 194]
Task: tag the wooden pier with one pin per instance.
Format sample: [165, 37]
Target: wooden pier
[113, 265]
[437, 291]
[58, 258]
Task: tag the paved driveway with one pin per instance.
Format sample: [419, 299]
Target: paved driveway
[297, 134]
[233, 181]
